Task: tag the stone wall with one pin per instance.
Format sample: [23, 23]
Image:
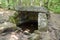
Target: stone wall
[5, 20]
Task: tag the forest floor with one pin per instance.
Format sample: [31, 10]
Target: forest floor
[54, 20]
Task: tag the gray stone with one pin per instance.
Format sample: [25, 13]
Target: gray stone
[7, 25]
[42, 22]
[34, 36]
[31, 8]
[5, 14]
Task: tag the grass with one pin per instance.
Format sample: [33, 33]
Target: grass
[53, 5]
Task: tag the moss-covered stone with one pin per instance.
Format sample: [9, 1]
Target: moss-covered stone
[42, 22]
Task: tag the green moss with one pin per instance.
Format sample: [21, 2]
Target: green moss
[13, 18]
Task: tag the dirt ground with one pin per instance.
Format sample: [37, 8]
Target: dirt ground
[54, 21]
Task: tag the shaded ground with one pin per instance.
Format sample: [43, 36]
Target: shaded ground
[13, 36]
[54, 26]
[55, 20]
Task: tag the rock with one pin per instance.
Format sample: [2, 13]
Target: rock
[42, 22]
[7, 25]
[35, 35]
[5, 15]
[7, 19]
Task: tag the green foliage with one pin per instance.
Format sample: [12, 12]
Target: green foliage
[3, 3]
[8, 3]
[13, 3]
[30, 2]
[53, 5]
[13, 19]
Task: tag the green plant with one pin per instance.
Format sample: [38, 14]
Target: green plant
[8, 3]
[13, 18]
[53, 5]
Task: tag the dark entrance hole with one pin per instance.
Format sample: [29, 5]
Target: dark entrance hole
[30, 25]
[30, 22]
